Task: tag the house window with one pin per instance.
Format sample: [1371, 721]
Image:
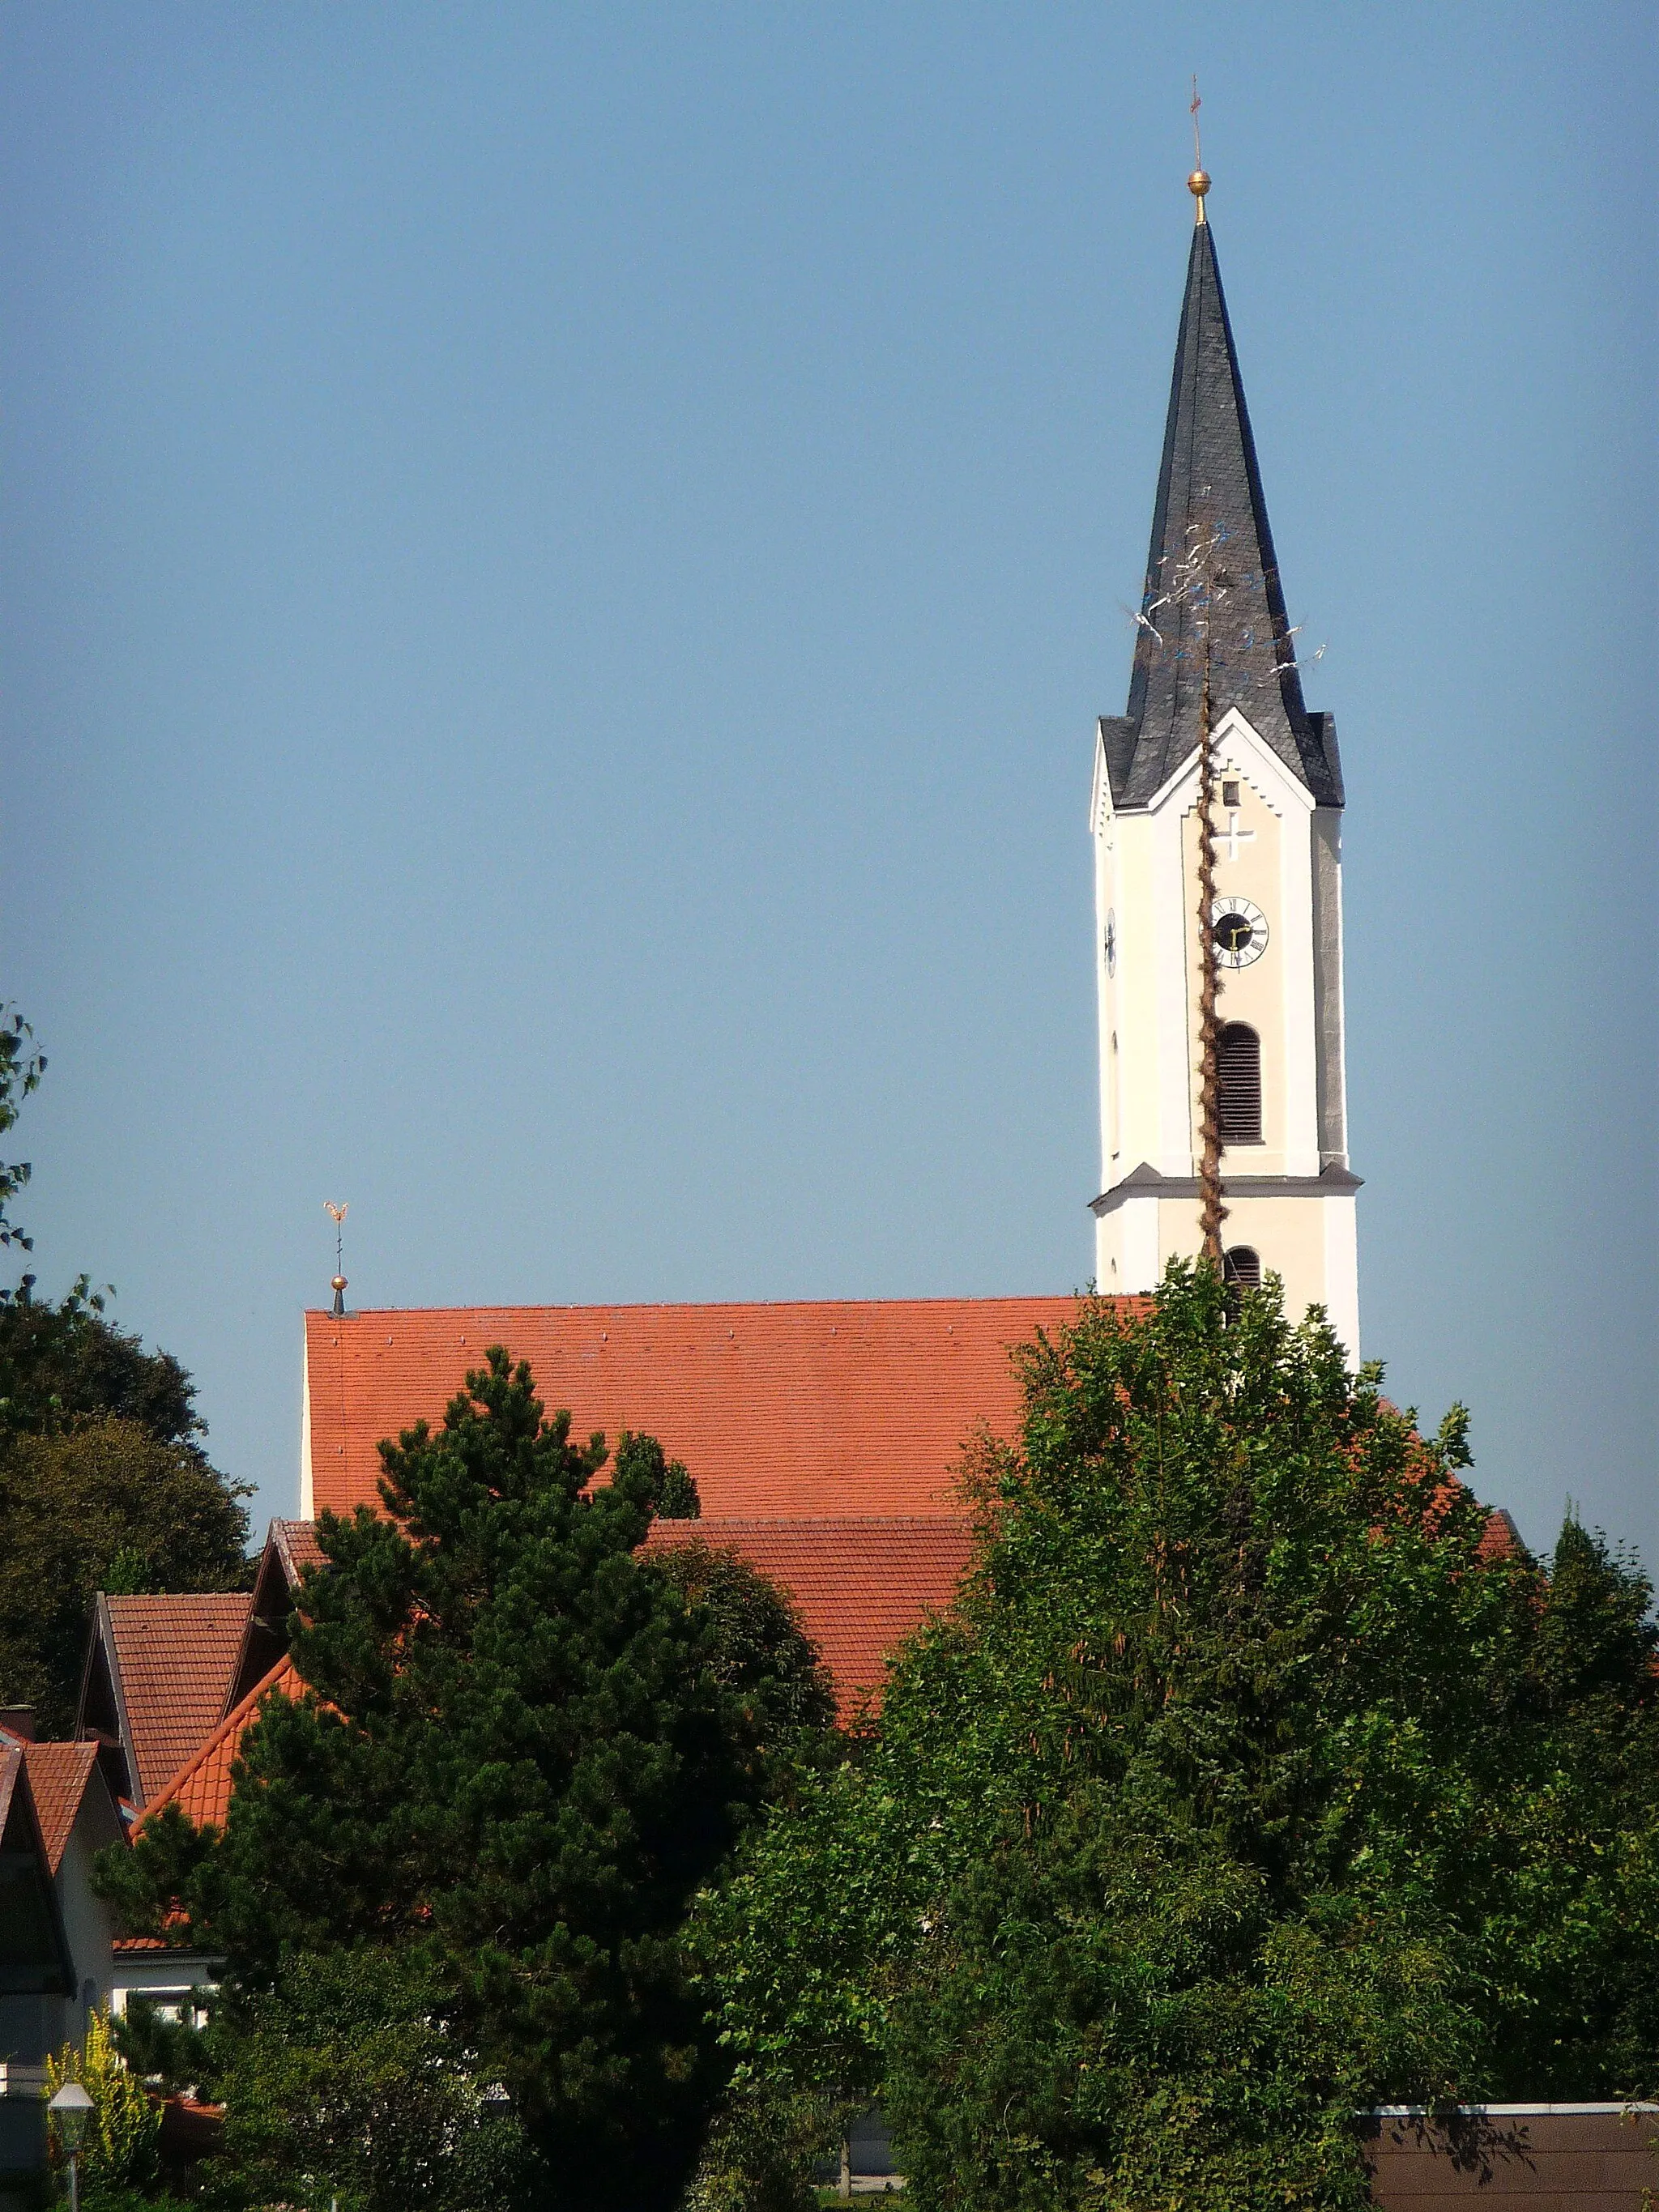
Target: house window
[1238, 1069]
[1243, 1264]
[1229, 795]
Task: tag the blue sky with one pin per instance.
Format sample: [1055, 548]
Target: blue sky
[558, 566]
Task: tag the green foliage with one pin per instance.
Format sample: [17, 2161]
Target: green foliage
[73, 1505]
[63, 1363]
[1240, 1792]
[119, 2147]
[103, 1481]
[1569, 1944]
[761, 2151]
[126, 2196]
[21, 1067]
[519, 1765]
[169, 2053]
[667, 1483]
[349, 2080]
[760, 1651]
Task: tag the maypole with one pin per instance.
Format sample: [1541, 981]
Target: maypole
[1211, 1210]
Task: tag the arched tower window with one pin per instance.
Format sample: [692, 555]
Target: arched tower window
[1238, 1067]
[1243, 1264]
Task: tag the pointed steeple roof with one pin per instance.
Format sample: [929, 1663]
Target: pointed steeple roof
[1210, 487]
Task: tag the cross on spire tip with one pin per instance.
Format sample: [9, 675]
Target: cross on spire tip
[1198, 183]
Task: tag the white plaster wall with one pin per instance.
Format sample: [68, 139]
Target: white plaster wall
[1300, 1239]
[308, 1495]
[87, 1922]
[1128, 1255]
[1328, 986]
[1288, 863]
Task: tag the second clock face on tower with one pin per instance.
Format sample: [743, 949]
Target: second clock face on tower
[1241, 932]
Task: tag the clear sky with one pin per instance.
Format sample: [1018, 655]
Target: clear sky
[559, 565]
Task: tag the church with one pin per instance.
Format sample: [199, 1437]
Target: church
[823, 1435]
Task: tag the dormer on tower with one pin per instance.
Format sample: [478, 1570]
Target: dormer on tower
[1276, 918]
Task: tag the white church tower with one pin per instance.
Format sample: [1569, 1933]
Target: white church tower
[1276, 808]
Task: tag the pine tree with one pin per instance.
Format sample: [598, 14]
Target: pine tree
[515, 1760]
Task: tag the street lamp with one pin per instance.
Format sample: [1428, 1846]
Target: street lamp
[72, 2108]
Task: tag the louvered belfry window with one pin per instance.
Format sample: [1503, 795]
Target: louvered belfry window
[1243, 1264]
[1238, 1064]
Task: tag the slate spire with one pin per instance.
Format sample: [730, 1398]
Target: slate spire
[1211, 484]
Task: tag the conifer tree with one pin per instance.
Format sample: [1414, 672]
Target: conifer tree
[515, 1759]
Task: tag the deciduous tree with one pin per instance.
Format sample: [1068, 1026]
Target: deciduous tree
[1244, 1788]
[104, 1484]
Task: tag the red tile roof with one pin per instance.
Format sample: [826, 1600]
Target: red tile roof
[58, 1774]
[201, 1789]
[297, 1548]
[13, 1770]
[1500, 1539]
[174, 1656]
[852, 1408]
[860, 1584]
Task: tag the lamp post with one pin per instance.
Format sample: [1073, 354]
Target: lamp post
[72, 2108]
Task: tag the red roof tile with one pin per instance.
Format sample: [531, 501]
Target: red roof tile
[201, 1789]
[853, 1407]
[860, 1584]
[175, 1656]
[14, 1799]
[1500, 1539]
[58, 1774]
[297, 1546]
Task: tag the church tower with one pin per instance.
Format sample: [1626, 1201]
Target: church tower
[1213, 605]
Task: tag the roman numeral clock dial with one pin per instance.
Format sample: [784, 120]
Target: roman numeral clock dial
[1241, 932]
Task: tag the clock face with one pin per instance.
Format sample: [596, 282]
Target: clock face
[1241, 932]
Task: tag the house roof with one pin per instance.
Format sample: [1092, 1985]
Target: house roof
[860, 1584]
[1501, 1539]
[201, 1789]
[174, 1658]
[851, 1407]
[35, 1959]
[295, 1543]
[1209, 487]
[58, 1774]
[291, 1548]
[11, 1773]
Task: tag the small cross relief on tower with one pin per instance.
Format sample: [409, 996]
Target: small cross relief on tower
[1232, 836]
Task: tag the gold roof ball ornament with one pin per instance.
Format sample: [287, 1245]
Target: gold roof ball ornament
[1198, 184]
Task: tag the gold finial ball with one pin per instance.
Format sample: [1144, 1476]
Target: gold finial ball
[338, 1283]
[1198, 183]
